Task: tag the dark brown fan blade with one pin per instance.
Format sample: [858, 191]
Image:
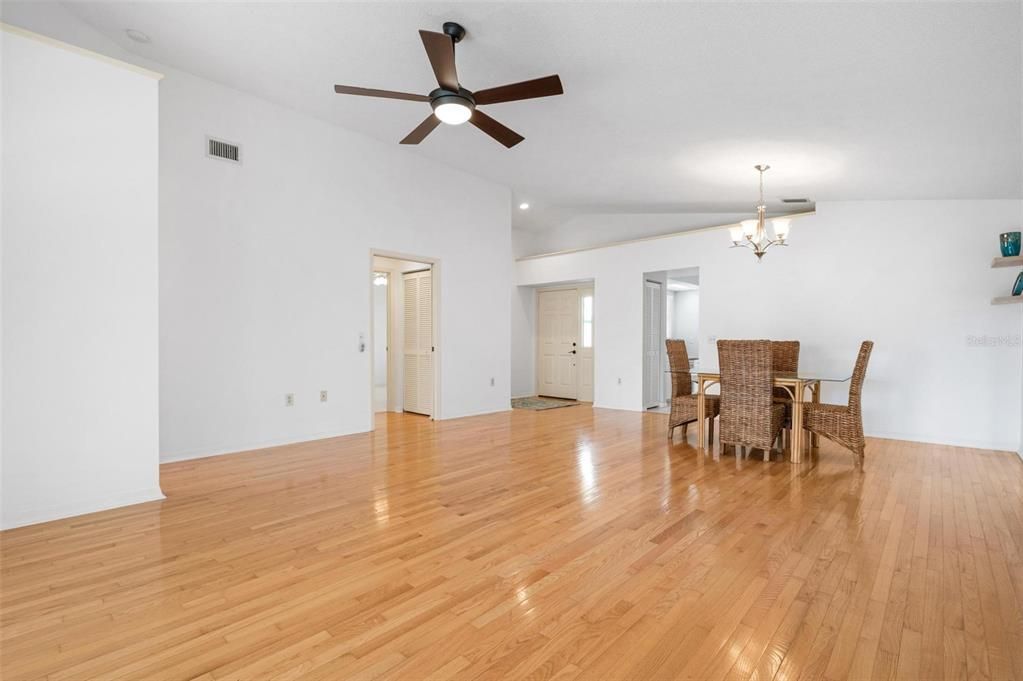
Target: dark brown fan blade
[527, 89]
[441, 51]
[422, 130]
[505, 136]
[386, 94]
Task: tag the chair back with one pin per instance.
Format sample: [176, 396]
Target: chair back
[785, 356]
[678, 361]
[747, 380]
[858, 375]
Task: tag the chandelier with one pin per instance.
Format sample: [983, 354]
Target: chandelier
[752, 234]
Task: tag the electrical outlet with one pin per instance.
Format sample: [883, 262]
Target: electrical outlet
[491, 381]
[323, 396]
[289, 400]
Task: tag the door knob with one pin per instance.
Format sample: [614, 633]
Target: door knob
[572, 351]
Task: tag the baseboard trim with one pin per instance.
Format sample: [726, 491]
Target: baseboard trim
[477, 413]
[189, 455]
[954, 442]
[45, 515]
[904, 437]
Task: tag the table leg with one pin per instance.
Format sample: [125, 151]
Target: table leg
[701, 413]
[815, 393]
[796, 454]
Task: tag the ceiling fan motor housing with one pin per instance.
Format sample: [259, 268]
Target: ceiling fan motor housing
[455, 30]
[442, 96]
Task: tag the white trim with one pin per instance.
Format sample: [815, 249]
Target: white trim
[53, 42]
[997, 447]
[929, 440]
[479, 413]
[190, 454]
[683, 232]
[43, 515]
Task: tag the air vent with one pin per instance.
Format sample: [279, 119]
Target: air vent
[795, 200]
[220, 149]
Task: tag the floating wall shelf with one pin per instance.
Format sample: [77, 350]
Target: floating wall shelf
[1011, 261]
[1014, 261]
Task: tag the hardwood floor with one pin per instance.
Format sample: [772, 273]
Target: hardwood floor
[574, 543]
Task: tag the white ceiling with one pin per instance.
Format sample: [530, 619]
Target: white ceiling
[666, 106]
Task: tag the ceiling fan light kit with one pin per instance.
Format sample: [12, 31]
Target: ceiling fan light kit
[453, 108]
[453, 104]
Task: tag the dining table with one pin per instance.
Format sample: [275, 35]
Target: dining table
[795, 383]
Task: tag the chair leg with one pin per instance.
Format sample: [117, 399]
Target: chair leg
[767, 452]
[710, 431]
[671, 433]
[685, 430]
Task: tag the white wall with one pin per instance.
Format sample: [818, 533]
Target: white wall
[523, 341]
[265, 272]
[686, 320]
[914, 276]
[265, 267]
[79, 244]
[585, 231]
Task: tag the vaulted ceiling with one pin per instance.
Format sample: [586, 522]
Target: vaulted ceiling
[667, 106]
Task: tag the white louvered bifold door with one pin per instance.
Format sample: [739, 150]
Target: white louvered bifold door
[418, 350]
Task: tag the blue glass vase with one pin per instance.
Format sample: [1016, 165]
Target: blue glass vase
[1017, 288]
[1009, 242]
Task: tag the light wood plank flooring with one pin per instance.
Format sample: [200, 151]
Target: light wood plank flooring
[568, 544]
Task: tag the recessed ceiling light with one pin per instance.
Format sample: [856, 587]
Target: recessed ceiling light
[523, 206]
[137, 36]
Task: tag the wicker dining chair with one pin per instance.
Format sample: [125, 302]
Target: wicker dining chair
[749, 416]
[843, 423]
[784, 358]
[683, 401]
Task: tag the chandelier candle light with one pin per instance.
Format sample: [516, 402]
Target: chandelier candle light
[752, 234]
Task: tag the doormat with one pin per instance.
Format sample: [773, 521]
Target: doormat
[541, 403]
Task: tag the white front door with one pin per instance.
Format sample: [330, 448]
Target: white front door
[558, 341]
[418, 346]
[652, 340]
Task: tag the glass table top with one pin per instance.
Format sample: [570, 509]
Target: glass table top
[811, 374]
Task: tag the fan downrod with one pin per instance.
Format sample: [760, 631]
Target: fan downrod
[455, 30]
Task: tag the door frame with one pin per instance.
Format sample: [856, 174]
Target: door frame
[435, 269]
[577, 287]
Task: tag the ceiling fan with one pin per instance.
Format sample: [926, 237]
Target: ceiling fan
[452, 103]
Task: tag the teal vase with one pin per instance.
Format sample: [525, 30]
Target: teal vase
[1009, 242]
[1017, 288]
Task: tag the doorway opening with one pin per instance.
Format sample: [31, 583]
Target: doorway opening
[403, 344]
[565, 342]
[671, 309]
